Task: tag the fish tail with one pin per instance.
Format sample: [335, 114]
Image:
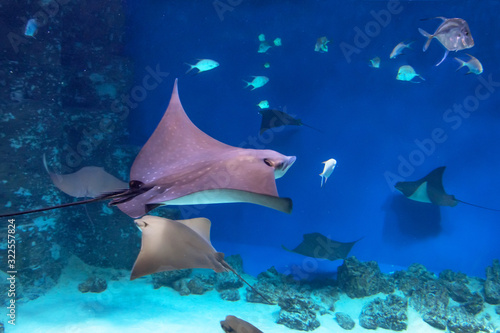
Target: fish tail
[190, 67]
[461, 62]
[428, 36]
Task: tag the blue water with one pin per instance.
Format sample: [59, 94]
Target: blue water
[369, 122]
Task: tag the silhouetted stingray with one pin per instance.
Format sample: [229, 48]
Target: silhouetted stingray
[169, 245]
[181, 165]
[234, 324]
[430, 190]
[88, 182]
[318, 246]
[276, 118]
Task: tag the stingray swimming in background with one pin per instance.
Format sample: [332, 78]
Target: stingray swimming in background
[181, 165]
[169, 245]
[318, 246]
[88, 182]
[275, 118]
[430, 189]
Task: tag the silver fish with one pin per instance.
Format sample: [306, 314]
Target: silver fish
[454, 34]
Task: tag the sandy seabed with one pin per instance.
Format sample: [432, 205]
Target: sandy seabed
[134, 306]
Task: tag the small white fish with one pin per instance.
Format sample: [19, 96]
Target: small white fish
[321, 45]
[203, 65]
[473, 64]
[277, 42]
[327, 170]
[407, 73]
[398, 49]
[375, 62]
[263, 104]
[31, 28]
[262, 37]
[257, 82]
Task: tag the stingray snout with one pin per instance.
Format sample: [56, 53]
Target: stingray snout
[140, 224]
[282, 168]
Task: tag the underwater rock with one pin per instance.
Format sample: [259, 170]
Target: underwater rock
[227, 280]
[459, 292]
[199, 285]
[93, 285]
[359, 279]
[431, 300]
[296, 313]
[344, 321]
[390, 314]
[474, 304]
[492, 283]
[181, 286]
[231, 295]
[272, 284]
[497, 309]
[167, 279]
[236, 262]
[451, 276]
[416, 275]
[459, 321]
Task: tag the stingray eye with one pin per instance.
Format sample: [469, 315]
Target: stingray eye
[269, 162]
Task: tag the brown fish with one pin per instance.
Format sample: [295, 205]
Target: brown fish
[454, 34]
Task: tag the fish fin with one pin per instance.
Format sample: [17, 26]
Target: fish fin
[248, 84]
[428, 36]
[432, 18]
[190, 67]
[444, 57]
[45, 164]
[461, 62]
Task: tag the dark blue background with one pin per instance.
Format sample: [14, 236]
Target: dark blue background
[367, 118]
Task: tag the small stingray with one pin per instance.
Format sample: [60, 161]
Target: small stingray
[88, 182]
[234, 324]
[430, 190]
[275, 118]
[181, 165]
[318, 246]
[169, 245]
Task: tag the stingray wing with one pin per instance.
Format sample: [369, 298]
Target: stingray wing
[435, 189]
[171, 245]
[174, 138]
[318, 246]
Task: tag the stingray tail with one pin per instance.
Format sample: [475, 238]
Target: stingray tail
[226, 265]
[470, 204]
[69, 204]
[314, 128]
[102, 197]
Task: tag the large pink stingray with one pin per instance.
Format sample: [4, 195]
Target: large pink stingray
[181, 165]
